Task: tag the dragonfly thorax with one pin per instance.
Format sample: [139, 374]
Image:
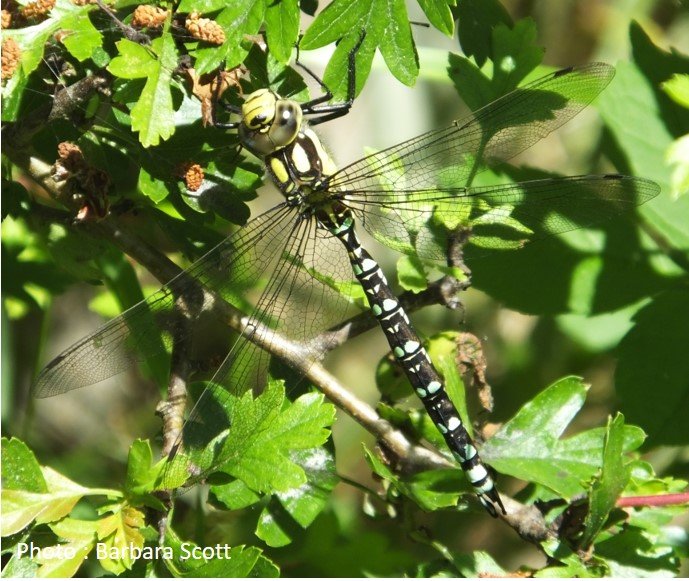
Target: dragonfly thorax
[269, 122]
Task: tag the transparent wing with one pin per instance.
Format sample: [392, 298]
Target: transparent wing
[502, 216]
[307, 293]
[146, 329]
[496, 132]
[307, 283]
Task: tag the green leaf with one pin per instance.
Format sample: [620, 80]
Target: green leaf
[477, 21]
[238, 20]
[570, 563]
[333, 549]
[678, 158]
[477, 564]
[120, 537]
[632, 114]
[142, 473]
[81, 540]
[74, 251]
[435, 489]
[20, 469]
[241, 562]
[448, 368]
[153, 113]
[529, 446]
[439, 14]
[474, 88]
[302, 504]
[282, 28]
[657, 341]
[431, 489]
[411, 274]
[677, 89]
[151, 187]
[387, 27]
[602, 332]
[263, 436]
[228, 562]
[609, 484]
[515, 54]
[234, 495]
[20, 507]
[637, 553]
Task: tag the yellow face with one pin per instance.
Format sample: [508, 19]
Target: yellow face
[269, 122]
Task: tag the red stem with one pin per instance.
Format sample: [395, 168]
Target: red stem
[654, 500]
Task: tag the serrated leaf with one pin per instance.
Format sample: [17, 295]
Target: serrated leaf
[120, 536]
[153, 114]
[241, 562]
[529, 446]
[20, 508]
[607, 486]
[238, 561]
[386, 25]
[431, 489]
[302, 504]
[448, 368]
[678, 158]
[142, 472]
[80, 38]
[20, 469]
[282, 28]
[439, 14]
[239, 20]
[631, 113]
[151, 187]
[636, 553]
[477, 564]
[263, 436]
[477, 21]
[64, 560]
[515, 54]
[234, 495]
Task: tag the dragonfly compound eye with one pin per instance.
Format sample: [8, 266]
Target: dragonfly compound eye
[287, 123]
[269, 123]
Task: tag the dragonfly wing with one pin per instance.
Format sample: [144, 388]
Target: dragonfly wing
[496, 132]
[501, 216]
[308, 291]
[146, 329]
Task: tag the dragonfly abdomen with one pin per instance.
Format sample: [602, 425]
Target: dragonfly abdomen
[414, 360]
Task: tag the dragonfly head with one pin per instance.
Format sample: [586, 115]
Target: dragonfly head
[269, 122]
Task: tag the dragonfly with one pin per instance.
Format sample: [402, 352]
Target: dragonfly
[415, 197]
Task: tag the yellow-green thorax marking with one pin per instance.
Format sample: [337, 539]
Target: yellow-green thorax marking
[274, 129]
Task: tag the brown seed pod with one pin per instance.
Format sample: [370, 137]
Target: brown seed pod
[37, 9]
[146, 16]
[205, 29]
[192, 174]
[10, 57]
